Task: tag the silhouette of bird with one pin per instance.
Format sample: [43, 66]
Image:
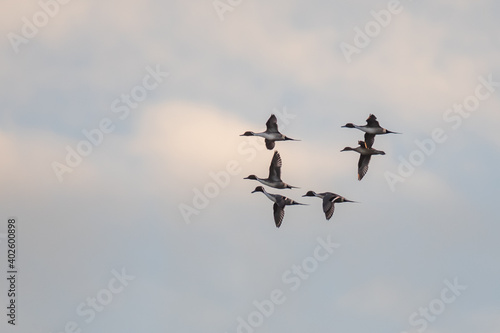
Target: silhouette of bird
[371, 129]
[364, 158]
[271, 134]
[280, 202]
[329, 200]
[274, 178]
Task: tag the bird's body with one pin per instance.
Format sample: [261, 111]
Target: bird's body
[280, 202]
[371, 129]
[364, 158]
[271, 135]
[274, 178]
[329, 200]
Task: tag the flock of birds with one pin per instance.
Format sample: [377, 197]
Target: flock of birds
[271, 135]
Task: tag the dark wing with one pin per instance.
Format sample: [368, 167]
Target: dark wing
[369, 140]
[275, 167]
[329, 206]
[269, 144]
[272, 124]
[371, 121]
[363, 165]
[279, 213]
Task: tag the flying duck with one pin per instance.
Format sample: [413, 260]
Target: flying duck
[271, 134]
[274, 179]
[280, 202]
[371, 129]
[329, 200]
[364, 158]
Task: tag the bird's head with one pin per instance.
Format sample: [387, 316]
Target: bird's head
[310, 194]
[258, 189]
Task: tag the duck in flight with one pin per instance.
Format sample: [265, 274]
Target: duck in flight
[271, 134]
[329, 200]
[371, 129]
[364, 158]
[274, 179]
[280, 202]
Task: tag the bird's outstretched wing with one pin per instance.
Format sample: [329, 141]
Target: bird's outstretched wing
[279, 213]
[272, 124]
[275, 167]
[329, 205]
[369, 140]
[371, 121]
[364, 160]
[269, 144]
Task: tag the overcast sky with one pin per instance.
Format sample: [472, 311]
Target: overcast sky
[123, 165]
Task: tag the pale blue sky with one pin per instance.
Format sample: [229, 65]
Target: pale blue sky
[119, 208]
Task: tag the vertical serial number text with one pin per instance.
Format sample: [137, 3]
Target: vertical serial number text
[11, 271]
